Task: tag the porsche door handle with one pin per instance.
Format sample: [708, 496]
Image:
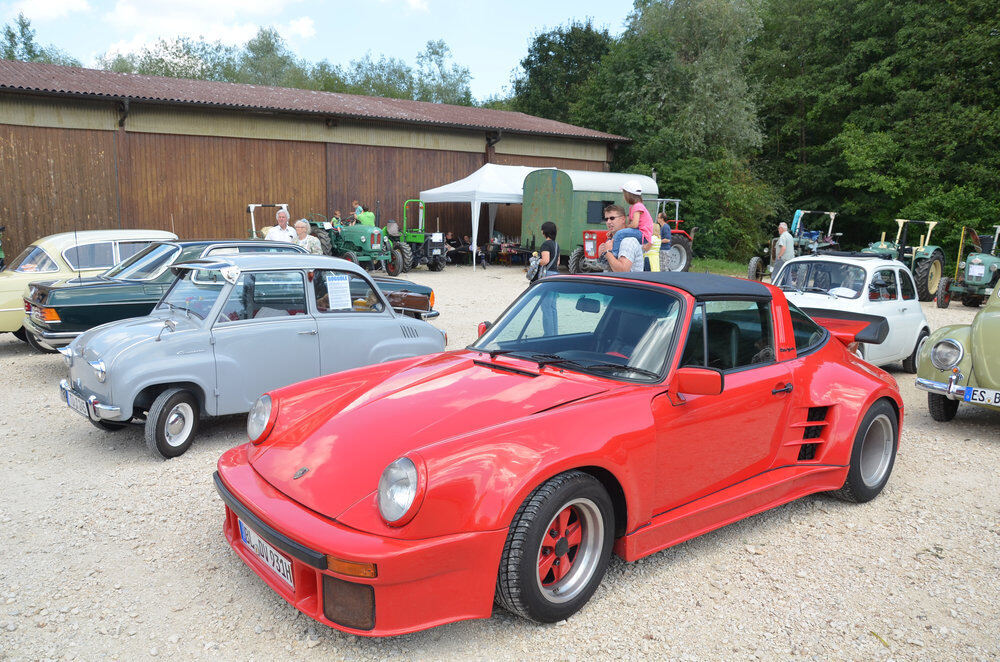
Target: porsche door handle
[308, 333]
[787, 388]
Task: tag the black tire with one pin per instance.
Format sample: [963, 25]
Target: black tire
[407, 252]
[20, 334]
[394, 266]
[324, 241]
[162, 437]
[910, 363]
[972, 300]
[575, 258]
[520, 588]
[35, 344]
[755, 268]
[349, 256]
[873, 454]
[680, 247]
[928, 273]
[942, 408]
[109, 426]
[435, 263]
[943, 296]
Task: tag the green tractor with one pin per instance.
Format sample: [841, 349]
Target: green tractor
[806, 242]
[925, 260]
[977, 275]
[417, 245]
[360, 244]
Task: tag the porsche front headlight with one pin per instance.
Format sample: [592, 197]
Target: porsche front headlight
[259, 418]
[946, 354]
[397, 491]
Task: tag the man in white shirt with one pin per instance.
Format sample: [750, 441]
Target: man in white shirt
[628, 256]
[281, 231]
[784, 249]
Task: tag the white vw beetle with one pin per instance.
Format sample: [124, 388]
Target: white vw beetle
[861, 283]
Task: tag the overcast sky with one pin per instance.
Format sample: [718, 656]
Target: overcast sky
[487, 36]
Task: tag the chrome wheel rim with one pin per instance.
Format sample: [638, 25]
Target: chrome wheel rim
[675, 258]
[178, 425]
[876, 451]
[570, 551]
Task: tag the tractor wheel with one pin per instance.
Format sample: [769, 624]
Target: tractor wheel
[972, 300]
[394, 265]
[943, 297]
[349, 256]
[679, 254]
[324, 241]
[435, 263]
[755, 269]
[575, 258]
[407, 252]
[928, 275]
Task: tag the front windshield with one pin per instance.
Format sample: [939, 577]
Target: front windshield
[33, 260]
[194, 292]
[835, 278]
[147, 264]
[617, 331]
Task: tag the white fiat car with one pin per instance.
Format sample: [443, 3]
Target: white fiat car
[859, 283]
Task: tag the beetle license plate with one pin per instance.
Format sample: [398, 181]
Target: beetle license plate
[77, 404]
[274, 559]
[983, 396]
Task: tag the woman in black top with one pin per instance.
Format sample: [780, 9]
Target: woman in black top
[548, 254]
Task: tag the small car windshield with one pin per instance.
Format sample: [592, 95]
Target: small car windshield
[33, 260]
[147, 264]
[194, 292]
[835, 278]
[617, 331]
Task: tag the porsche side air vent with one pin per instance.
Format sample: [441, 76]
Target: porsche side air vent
[807, 451]
[408, 332]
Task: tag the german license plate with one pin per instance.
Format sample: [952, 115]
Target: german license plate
[77, 404]
[984, 396]
[977, 270]
[274, 559]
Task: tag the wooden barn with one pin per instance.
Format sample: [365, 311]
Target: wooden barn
[89, 149]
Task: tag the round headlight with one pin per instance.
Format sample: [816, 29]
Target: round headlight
[946, 354]
[100, 370]
[961, 265]
[258, 418]
[397, 488]
[993, 267]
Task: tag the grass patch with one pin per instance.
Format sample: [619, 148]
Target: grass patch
[722, 267]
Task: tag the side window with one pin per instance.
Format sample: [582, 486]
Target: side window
[595, 211]
[906, 286]
[344, 292]
[883, 286]
[808, 333]
[91, 256]
[127, 249]
[265, 294]
[739, 334]
[694, 349]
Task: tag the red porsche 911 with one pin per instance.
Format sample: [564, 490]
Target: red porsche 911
[600, 414]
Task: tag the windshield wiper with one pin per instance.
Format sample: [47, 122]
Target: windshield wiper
[496, 352]
[813, 288]
[616, 366]
[550, 359]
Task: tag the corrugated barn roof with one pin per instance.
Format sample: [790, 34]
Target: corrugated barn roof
[50, 79]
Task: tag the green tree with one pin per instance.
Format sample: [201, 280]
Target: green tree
[438, 80]
[558, 63]
[18, 43]
[384, 77]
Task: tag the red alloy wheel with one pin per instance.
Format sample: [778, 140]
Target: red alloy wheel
[560, 546]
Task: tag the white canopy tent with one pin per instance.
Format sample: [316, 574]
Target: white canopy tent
[500, 184]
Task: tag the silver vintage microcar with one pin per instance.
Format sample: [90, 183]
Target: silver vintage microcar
[228, 330]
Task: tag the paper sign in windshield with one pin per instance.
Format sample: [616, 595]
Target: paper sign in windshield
[338, 287]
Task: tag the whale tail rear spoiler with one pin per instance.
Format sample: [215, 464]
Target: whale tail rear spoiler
[851, 327]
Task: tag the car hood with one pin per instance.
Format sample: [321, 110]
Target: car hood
[107, 341]
[985, 358]
[355, 429]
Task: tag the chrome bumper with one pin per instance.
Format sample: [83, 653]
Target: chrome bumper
[95, 409]
[53, 339]
[950, 390]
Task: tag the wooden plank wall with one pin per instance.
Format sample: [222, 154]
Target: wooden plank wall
[54, 180]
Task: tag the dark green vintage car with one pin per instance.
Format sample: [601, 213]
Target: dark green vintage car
[57, 312]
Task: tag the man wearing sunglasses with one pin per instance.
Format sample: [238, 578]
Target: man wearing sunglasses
[627, 256]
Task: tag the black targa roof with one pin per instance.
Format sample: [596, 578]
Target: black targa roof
[700, 286]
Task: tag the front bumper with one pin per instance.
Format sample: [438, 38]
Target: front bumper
[419, 583]
[952, 389]
[53, 339]
[95, 410]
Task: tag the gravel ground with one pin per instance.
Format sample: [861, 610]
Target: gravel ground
[112, 553]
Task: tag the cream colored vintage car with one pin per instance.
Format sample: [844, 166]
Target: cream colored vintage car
[65, 256]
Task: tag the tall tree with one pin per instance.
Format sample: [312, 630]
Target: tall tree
[558, 63]
[439, 80]
[19, 43]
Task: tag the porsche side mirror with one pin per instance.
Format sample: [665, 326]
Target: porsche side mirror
[484, 327]
[699, 381]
